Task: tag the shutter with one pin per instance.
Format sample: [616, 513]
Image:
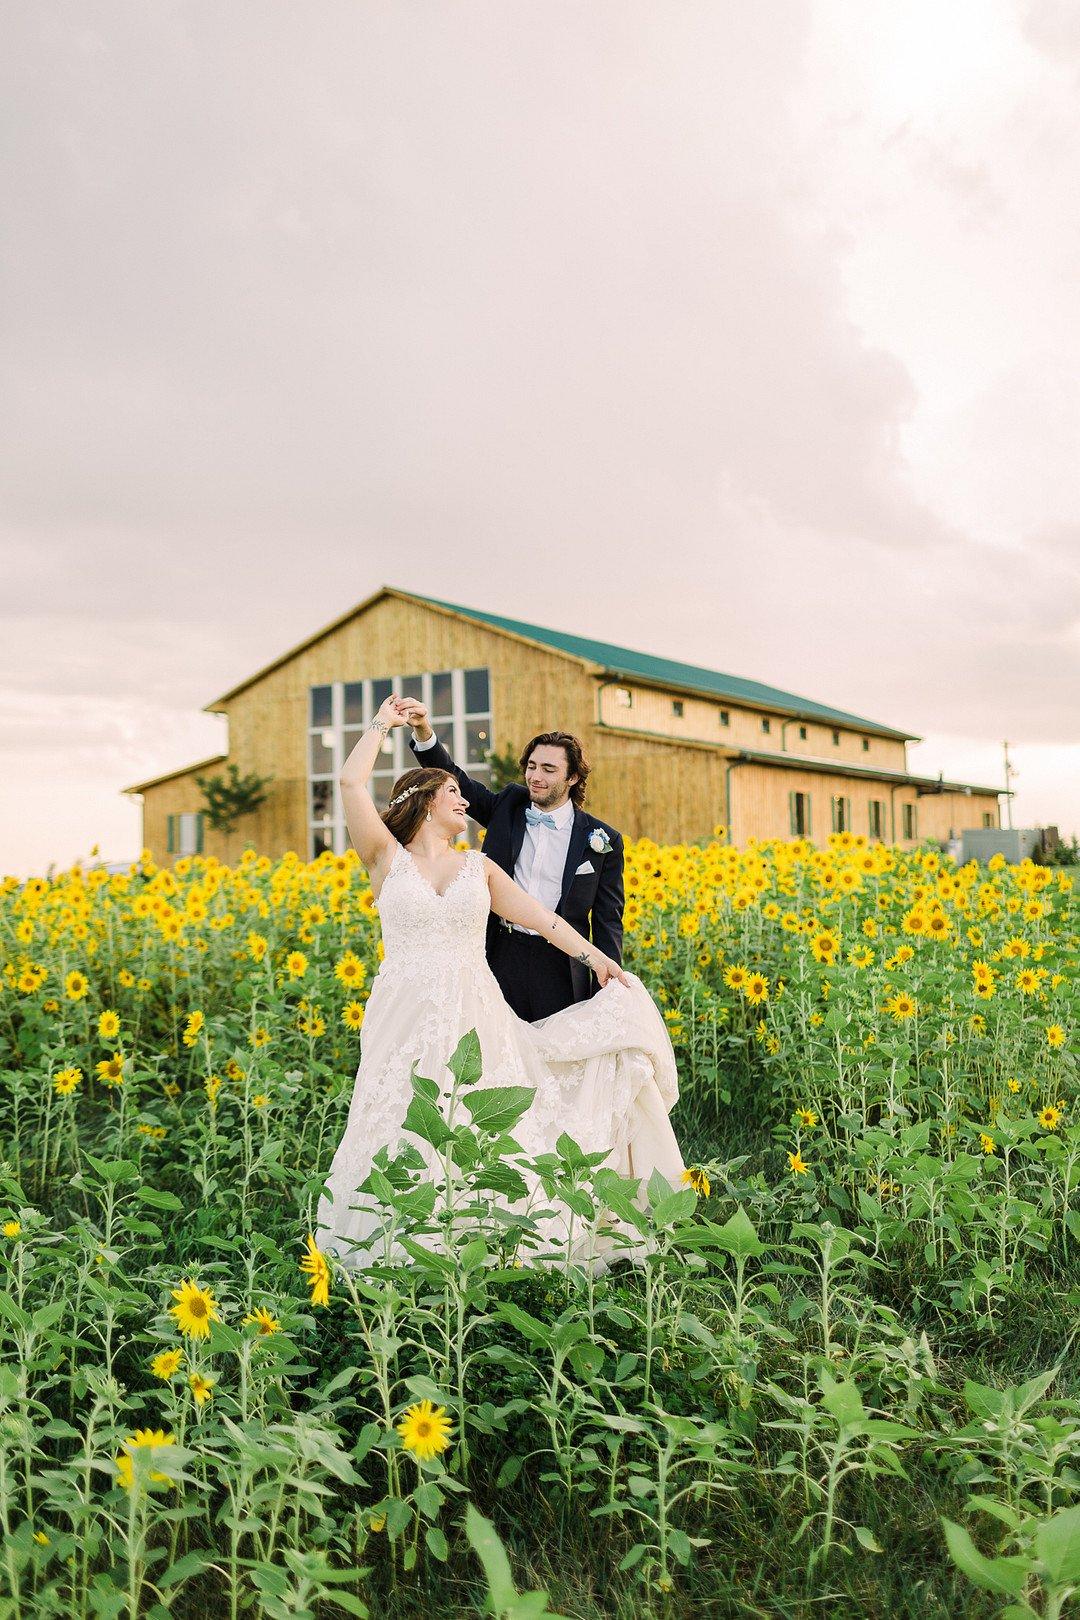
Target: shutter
[835, 806]
[170, 842]
[198, 832]
[847, 815]
[809, 828]
[791, 814]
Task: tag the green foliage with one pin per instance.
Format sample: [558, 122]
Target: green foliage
[229, 798]
[504, 766]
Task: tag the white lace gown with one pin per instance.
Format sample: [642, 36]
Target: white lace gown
[603, 1069]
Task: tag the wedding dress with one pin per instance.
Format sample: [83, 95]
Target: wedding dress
[603, 1069]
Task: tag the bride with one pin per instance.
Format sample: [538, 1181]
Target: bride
[602, 1070]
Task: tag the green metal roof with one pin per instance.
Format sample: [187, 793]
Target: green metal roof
[666, 672]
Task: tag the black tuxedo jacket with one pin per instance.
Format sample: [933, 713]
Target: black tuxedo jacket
[591, 902]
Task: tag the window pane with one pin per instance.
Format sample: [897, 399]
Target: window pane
[380, 691]
[477, 741]
[477, 696]
[321, 757]
[322, 838]
[320, 709]
[349, 738]
[444, 730]
[441, 700]
[412, 686]
[354, 703]
[322, 801]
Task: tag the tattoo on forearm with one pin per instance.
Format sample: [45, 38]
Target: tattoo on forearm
[583, 956]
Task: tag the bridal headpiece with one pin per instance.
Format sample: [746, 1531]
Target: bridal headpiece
[402, 796]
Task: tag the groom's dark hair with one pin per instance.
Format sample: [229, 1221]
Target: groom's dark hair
[576, 763]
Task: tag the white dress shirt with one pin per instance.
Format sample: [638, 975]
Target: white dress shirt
[540, 865]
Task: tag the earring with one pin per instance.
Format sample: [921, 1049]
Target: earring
[429, 815]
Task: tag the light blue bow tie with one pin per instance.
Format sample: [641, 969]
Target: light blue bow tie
[535, 817]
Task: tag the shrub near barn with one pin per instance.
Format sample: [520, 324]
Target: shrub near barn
[847, 1373]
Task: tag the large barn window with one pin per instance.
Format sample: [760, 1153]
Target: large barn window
[185, 832]
[908, 820]
[841, 813]
[458, 702]
[877, 819]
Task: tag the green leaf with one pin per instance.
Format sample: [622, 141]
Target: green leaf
[158, 1199]
[992, 1574]
[436, 1543]
[1057, 1544]
[466, 1065]
[485, 1543]
[866, 1539]
[842, 1400]
[424, 1120]
[498, 1108]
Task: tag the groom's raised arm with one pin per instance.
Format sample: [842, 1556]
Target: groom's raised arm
[478, 796]
[607, 907]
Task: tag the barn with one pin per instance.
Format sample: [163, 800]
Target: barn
[676, 750]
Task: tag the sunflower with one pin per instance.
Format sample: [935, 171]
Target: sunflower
[111, 1070]
[12, 1229]
[350, 971]
[798, 1168]
[316, 1267]
[352, 1014]
[986, 1142]
[735, 977]
[901, 1006]
[108, 1024]
[1055, 1035]
[296, 963]
[264, 1320]
[134, 1442]
[806, 1118]
[194, 1024]
[698, 1180]
[1049, 1117]
[756, 988]
[824, 946]
[66, 1080]
[202, 1388]
[425, 1430]
[167, 1364]
[197, 1308]
[1027, 981]
[76, 985]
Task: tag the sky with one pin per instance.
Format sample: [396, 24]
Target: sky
[739, 333]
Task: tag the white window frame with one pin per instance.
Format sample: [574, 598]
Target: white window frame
[395, 748]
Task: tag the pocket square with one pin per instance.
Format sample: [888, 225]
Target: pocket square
[586, 866]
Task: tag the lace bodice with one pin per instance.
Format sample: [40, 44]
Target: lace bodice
[418, 921]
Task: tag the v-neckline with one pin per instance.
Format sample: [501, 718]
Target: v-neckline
[425, 879]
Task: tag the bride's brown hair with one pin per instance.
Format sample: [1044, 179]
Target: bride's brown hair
[403, 820]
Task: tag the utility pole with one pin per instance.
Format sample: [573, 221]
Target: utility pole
[1010, 772]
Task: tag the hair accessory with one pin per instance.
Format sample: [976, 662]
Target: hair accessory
[402, 796]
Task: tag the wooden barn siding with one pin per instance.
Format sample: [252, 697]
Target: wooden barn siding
[761, 805]
[943, 813]
[652, 789]
[651, 711]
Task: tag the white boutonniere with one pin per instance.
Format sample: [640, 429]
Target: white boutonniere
[599, 841]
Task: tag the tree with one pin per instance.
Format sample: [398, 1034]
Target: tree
[228, 800]
[504, 767]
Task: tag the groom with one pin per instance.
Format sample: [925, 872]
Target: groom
[567, 859]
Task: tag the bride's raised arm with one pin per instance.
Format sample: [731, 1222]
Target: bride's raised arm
[372, 842]
[509, 900]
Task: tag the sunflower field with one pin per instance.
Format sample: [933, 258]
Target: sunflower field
[845, 1381]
